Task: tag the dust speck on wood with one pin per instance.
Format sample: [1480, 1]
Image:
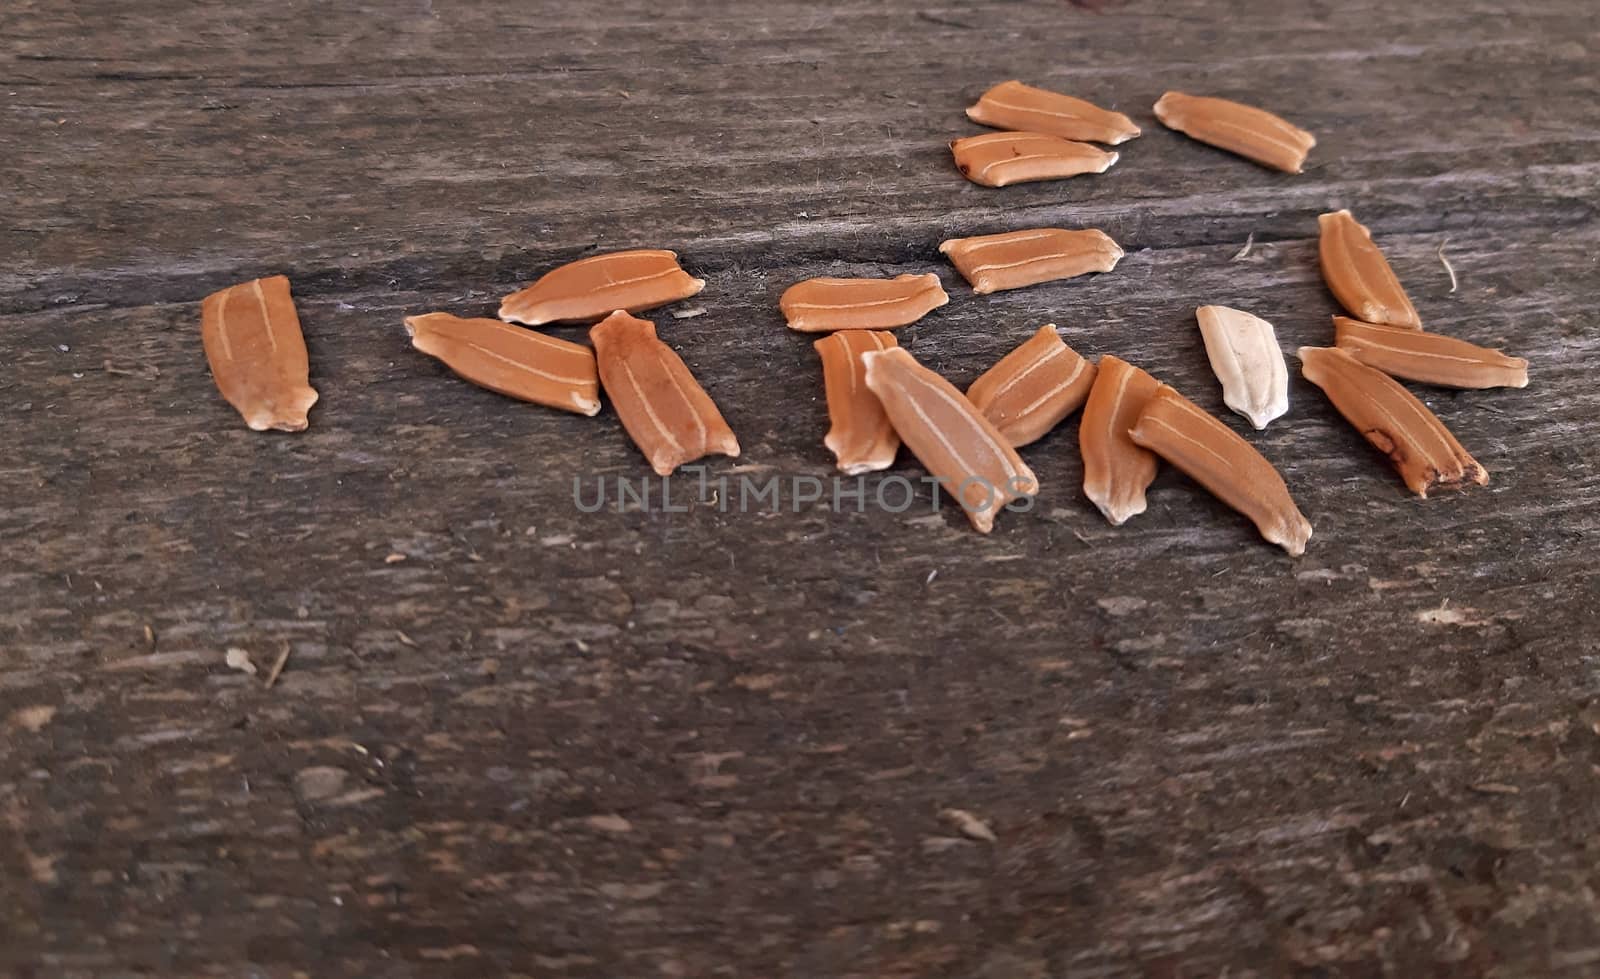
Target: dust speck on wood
[970, 825]
[239, 659]
[609, 823]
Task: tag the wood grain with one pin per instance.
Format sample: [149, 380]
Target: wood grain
[637, 744]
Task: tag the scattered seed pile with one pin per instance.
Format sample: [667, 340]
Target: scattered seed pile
[879, 396]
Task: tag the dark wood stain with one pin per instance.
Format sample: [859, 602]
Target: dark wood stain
[718, 744]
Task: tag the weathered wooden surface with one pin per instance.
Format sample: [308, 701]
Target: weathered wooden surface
[704, 743]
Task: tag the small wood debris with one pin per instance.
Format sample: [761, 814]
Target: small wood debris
[756, 681]
[33, 718]
[969, 825]
[1449, 269]
[1122, 604]
[688, 314]
[147, 371]
[1496, 788]
[239, 659]
[394, 558]
[277, 666]
[1244, 253]
[609, 823]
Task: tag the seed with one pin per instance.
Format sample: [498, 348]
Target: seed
[1013, 105]
[1254, 134]
[591, 288]
[1417, 443]
[948, 436]
[861, 438]
[1359, 276]
[510, 360]
[999, 159]
[664, 410]
[1214, 456]
[992, 263]
[1033, 388]
[1246, 358]
[251, 334]
[1428, 357]
[1116, 470]
[823, 305]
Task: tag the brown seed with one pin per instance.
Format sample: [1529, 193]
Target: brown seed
[949, 437]
[665, 411]
[1428, 357]
[1032, 388]
[1359, 276]
[1179, 431]
[992, 263]
[257, 353]
[1013, 105]
[823, 305]
[861, 438]
[1116, 470]
[1254, 134]
[1000, 159]
[591, 288]
[511, 360]
[1418, 445]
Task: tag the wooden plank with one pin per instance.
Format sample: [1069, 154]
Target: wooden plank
[548, 742]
